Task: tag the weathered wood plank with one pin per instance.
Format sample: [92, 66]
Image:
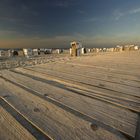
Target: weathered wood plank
[89, 97]
[57, 122]
[28, 125]
[93, 74]
[94, 82]
[98, 110]
[96, 91]
[10, 129]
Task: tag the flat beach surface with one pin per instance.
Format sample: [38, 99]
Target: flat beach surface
[92, 97]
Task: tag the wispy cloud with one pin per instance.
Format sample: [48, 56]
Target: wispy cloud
[11, 33]
[81, 12]
[11, 19]
[64, 3]
[64, 41]
[7, 32]
[117, 14]
[135, 11]
[92, 19]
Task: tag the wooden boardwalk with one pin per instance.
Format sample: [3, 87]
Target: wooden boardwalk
[94, 97]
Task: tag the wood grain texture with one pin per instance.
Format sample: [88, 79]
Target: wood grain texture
[10, 129]
[90, 97]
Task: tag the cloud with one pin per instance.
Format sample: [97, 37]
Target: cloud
[81, 12]
[119, 14]
[64, 41]
[36, 42]
[91, 19]
[4, 33]
[135, 11]
[11, 19]
[64, 3]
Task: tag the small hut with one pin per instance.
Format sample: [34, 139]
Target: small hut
[27, 52]
[75, 48]
[5, 53]
[35, 52]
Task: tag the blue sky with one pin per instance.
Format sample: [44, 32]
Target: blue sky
[55, 23]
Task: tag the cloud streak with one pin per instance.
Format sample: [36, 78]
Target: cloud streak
[7, 33]
[135, 11]
[64, 3]
[64, 41]
[119, 14]
[92, 19]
